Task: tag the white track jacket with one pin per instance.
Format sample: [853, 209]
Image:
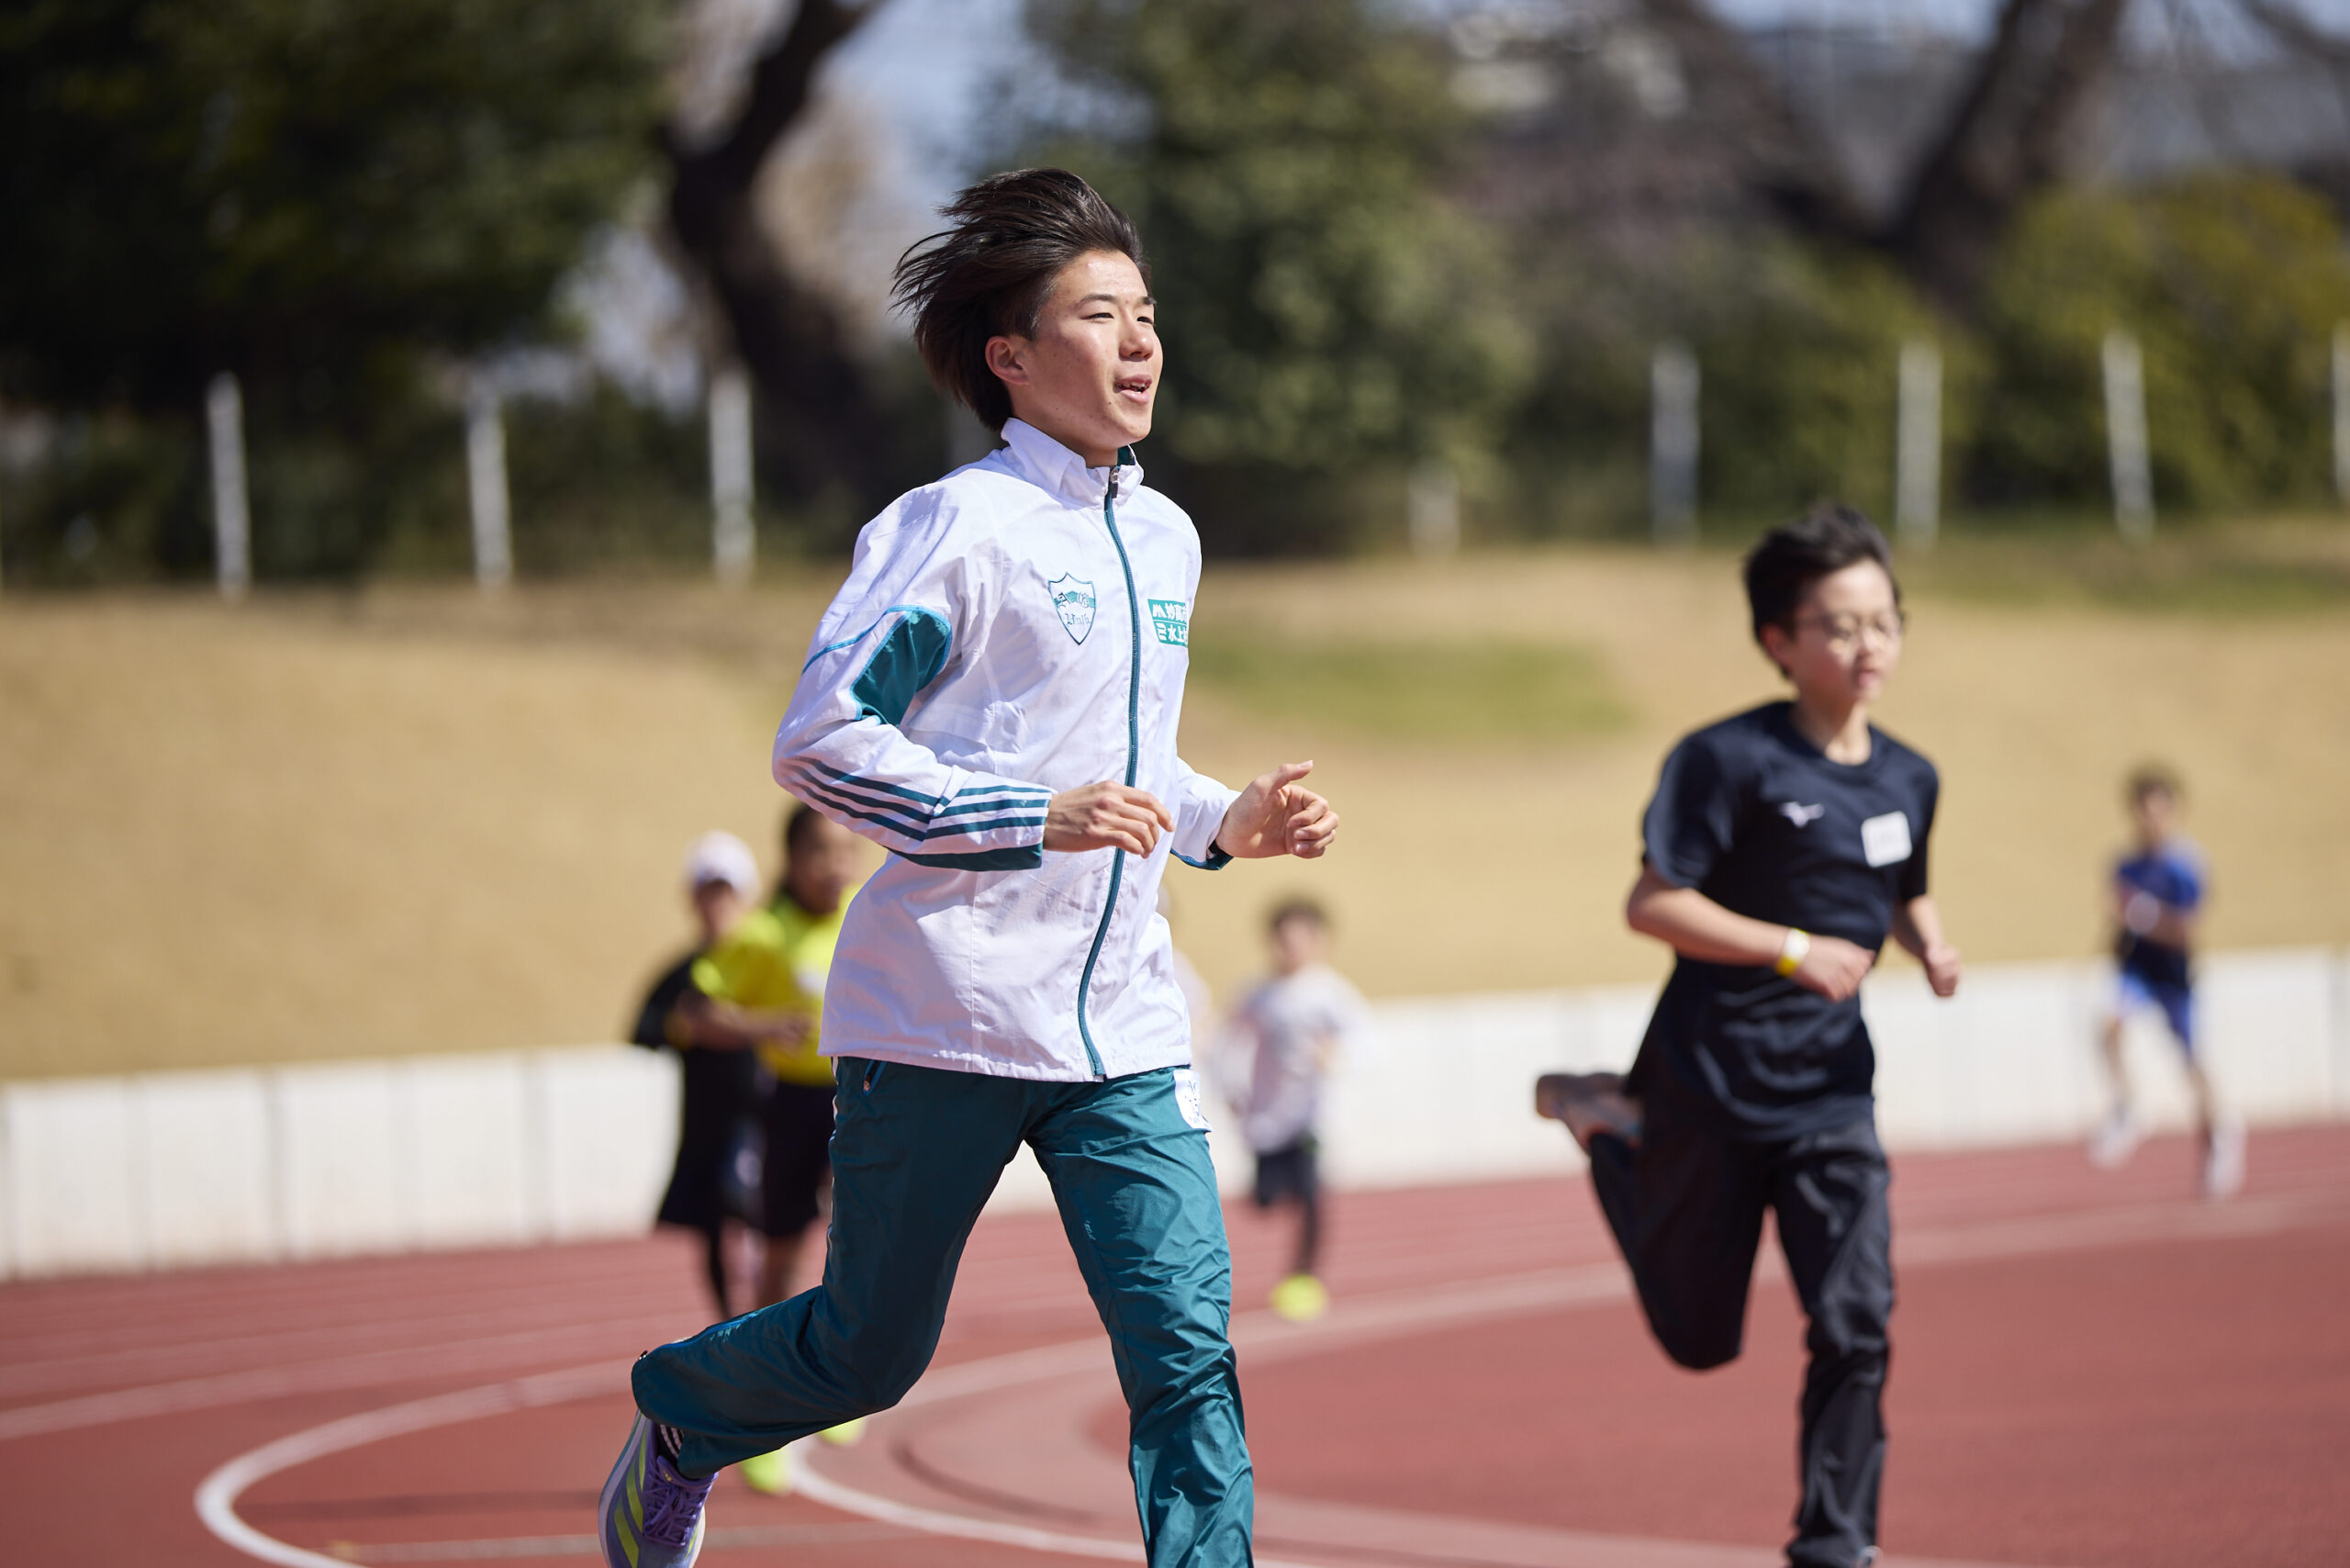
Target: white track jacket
[1020, 627]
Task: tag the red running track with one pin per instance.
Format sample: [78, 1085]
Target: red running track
[2089, 1370]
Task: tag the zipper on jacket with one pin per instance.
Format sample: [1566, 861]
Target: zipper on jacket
[1134, 756]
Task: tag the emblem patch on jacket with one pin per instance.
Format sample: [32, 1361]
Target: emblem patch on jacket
[1171, 618]
[1073, 598]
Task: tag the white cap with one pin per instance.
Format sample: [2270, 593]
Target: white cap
[723, 858]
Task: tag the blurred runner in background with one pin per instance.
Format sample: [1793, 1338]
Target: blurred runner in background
[716, 1172]
[762, 988]
[2156, 898]
[1285, 1037]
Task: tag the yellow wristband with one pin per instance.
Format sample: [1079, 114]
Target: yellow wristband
[1792, 951]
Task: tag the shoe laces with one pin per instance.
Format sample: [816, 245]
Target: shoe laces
[672, 1503]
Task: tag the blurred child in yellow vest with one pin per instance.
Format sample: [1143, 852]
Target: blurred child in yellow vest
[762, 986]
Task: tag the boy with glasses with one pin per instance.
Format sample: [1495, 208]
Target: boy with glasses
[1782, 847]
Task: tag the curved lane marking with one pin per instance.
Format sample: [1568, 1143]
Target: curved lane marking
[216, 1494]
[1369, 1318]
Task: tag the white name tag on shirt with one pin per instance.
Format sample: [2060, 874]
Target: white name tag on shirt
[1885, 839]
[1187, 1098]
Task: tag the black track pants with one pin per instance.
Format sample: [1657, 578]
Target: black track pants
[1687, 1208]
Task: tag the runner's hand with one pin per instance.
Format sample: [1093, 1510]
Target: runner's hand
[1105, 816]
[1277, 816]
[1834, 968]
[1942, 968]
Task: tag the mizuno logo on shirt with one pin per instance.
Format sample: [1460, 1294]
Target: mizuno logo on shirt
[1802, 816]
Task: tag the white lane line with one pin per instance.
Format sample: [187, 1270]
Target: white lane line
[1262, 1333]
[216, 1494]
[45, 1369]
[737, 1537]
[365, 1369]
[818, 1487]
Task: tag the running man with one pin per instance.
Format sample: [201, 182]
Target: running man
[1289, 1031]
[2157, 896]
[1782, 847]
[993, 698]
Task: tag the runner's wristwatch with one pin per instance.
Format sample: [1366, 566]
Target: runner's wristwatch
[1792, 952]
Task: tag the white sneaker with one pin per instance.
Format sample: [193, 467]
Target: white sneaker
[2116, 1139]
[2223, 1162]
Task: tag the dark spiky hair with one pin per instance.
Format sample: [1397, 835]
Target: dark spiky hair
[1782, 567]
[990, 273]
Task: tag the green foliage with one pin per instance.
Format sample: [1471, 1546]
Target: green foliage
[300, 188]
[2233, 285]
[1797, 347]
[1411, 691]
[1801, 352]
[1324, 309]
[322, 195]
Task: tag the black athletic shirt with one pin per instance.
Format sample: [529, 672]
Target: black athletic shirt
[1754, 816]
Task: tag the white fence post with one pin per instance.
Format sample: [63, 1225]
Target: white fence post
[2342, 413]
[731, 540]
[1673, 444]
[224, 420]
[1435, 510]
[1918, 455]
[2125, 434]
[486, 488]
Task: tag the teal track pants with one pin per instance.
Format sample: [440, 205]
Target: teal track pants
[916, 1151]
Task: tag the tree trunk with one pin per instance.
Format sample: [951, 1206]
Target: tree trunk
[1780, 158]
[821, 418]
[2006, 141]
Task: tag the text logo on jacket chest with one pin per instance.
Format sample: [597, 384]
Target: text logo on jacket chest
[1073, 598]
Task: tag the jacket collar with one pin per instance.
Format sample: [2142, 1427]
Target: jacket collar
[1044, 461]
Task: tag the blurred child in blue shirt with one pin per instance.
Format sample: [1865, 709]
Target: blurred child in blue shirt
[2156, 897]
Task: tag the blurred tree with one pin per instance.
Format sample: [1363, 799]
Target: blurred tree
[1329, 319]
[827, 420]
[2233, 285]
[2009, 137]
[320, 195]
[2010, 140]
[300, 189]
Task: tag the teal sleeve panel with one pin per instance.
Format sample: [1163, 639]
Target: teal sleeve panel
[910, 657]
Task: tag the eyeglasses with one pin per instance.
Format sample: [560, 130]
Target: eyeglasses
[1848, 630]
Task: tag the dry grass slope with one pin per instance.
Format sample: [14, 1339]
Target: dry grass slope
[410, 820]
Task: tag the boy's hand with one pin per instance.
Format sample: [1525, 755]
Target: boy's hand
[1276, 815]
[1105, 816]
[1835, 968]
[1942, 968]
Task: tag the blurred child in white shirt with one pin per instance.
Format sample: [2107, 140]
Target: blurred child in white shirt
[1281, 1042]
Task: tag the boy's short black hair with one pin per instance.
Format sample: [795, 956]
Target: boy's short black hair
[992, 272]
[2152, 778]
[1782, 567]
[1297, 909]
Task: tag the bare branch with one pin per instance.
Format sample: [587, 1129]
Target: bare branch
[2288, 26]
[2006, 141]
[1780, 155]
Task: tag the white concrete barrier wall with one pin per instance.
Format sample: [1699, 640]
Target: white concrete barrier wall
[173, 1169]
